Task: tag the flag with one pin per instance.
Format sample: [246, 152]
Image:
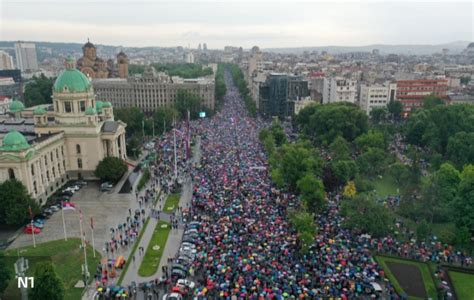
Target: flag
[68, 206]
[92, 223]
[31, 213]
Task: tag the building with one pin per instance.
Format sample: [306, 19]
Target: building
[411, 93]
[26, 59]
[279, 93]
[9, 88]
[6, 61]
[96, 67]
[4, 104]
[376, 96]
[339, 90]
[44, 152]
[153, 90]
[189, 57]
[300, 104]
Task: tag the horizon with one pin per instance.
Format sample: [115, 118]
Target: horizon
[280, 24]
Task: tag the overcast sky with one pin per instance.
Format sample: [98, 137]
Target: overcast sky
[283, 23]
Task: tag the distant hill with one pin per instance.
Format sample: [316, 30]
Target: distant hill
[454, 48]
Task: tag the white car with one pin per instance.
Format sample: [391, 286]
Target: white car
[186, 283]
[188, 245]
[192, 230]
[185, 249]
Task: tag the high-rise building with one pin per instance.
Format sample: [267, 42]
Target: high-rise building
[189, 57]
[411, 93]
[204, 46]
[339, 90]
[376, 96]
[26, 59]
[6, 61]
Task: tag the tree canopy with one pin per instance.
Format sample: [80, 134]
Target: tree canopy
[14, 203]
[5, 274]
[111, 169]
[48, 285]
[464, 203]
[39, 91]
[186, 100]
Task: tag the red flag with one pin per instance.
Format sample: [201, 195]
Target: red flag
[31, 213]
[92, 223]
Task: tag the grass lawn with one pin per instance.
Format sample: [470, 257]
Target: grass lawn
[171, 202]
[67, 259]
[463, 285]
[152, 258]
[425, 273]
[385, 186]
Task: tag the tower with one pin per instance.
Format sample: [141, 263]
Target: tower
[122, 65]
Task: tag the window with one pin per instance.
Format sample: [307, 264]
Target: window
[79, 163]
[67, 107]
[11, 174]
[35, 187]
[78, 149]
[82, 105]
[32, 170]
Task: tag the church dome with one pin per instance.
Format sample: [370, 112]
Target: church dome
[88, 45]
[90, 111]
[72, 80]
[98, 106]
[16, 106]
[39, 111]
[106, 104]
[14, 141]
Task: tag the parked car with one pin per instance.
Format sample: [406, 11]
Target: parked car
[54, 208]
[68, 193]
[39, 225]
[178, 273]
[44, 215]
[188, 245]
[187, 283]
[191, 231]
[74, 188]
[81, 183]
[187, 249]
[31, 229]
[106, 186]
[48, 211]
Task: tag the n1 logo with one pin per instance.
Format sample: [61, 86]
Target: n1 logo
[23, 282]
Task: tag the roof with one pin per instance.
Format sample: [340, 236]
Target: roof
[14, 141]
[39, 111]
[16, 106]
[90, 111]
[98, 106]
[72, 79]
[110, 126]
[106, 104]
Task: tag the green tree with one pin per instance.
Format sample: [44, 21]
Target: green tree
[344, 170]
[278, 133]
[372, 162]
[133, 147]
[400, 173]
[39, 91]
[363, 215]
[312, 193]
[422, 230]
[440, 192]
[464, 203]
[48, 285]
[269, 144]
[134, 119]
[111, 169]
[14, 203]
[378, 115]
[188, 101]
[371, 139]
[431, 101]
[5, 274]
[465, 79]
[163, 118]
[135, 69]
[340, 149]
[460, 149]
[304, 224]
[395, 108]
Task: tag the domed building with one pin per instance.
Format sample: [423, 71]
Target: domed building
[63, 144]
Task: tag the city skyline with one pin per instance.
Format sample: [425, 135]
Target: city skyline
[267, 24]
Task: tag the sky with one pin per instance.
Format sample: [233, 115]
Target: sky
[268, 24]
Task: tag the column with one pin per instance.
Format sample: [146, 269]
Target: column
[124, 148]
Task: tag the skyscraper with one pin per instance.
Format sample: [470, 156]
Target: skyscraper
[26, 56]
[6, 61]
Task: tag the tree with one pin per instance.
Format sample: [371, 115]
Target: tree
[39, 91]
[312, 193]
[47, 283]
[329, 121]
[422, 230]
[371, 139]
[163, 118]
[344, 170]
[400, 173]
[395, 108]
[278, 133]
[372, 161]
[439, 192]
[350, 190]
[188, 101]
[304, 224]
[464, 203]
[133, 147]
[431, 101]
[460, 149]
[363, 215]
[15, 202]
[378, 115]
[5, 274]
[134, 119]
[340, 149]
[269, 144]
[111, 169]
[465, 79]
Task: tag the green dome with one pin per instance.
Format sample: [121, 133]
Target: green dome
[74, 80]
[90, 111]
[98, 106]
[16, 106]
[14, 141]
[39, 111]
[106, 104]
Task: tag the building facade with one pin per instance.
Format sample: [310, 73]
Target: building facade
[6, 61]
[153, 90]
[411, 93]
[376, 96]
[45, 152]
[339, 90]
[96, 67]
[26, 59]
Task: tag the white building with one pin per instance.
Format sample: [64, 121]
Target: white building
[376, 96]
[6, 61]
[339, 90]
[300, 104]
[26, 56]
[189, 57]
